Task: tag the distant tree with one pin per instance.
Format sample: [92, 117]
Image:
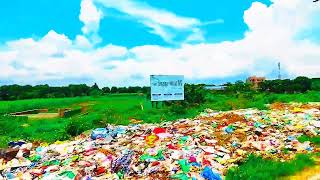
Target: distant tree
[95, 90]
[315, 84]
[122, 90]
[194, 94]
[79, 90]
[300, 84]
[238, 86]
[304, 83]
[95, 86]
[106, 90]
[114, 89]
[145, 89]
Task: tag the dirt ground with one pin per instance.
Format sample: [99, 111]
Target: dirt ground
[43, 116]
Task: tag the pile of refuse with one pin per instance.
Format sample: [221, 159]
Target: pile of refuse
[201, 148]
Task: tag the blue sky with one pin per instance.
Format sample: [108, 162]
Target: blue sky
[33, 18]
[126, 38]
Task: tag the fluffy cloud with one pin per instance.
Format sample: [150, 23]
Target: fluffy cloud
[273, 36]
[146, 12]
[90, 16]
[161, 22]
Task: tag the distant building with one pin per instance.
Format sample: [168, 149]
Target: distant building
[255, 81]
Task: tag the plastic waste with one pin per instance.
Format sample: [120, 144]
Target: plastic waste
[159, 130]
[200, 148]
[15, 144]
[185, 167]
[210, 175]
[99, 133]
[151, 139]
[67, 174]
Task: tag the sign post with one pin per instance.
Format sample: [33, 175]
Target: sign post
[166, 88]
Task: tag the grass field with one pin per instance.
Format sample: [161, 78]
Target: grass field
[258, 168]
[117, 109]
[120, 108]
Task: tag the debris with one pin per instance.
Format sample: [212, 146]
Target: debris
[202, 148]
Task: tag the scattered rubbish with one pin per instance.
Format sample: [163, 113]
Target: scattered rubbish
[201, 148]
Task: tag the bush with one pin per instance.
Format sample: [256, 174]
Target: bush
[300, 84]
[178, 108]
[194, 94]
[256, 167]
[75, 128]
[72, 112]
[315, 140]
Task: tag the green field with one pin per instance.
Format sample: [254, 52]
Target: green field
[118, 109]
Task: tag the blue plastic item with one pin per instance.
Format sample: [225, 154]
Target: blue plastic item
[290, 138]
[99, 133]
[14, 144]
[208, 174]
[229, 129]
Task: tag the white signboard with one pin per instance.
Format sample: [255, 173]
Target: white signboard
[167, 87]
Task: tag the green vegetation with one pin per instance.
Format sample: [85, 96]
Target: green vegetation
[17, 92]
[298, 85]
[120, 108]
[108, 106]
[315, 140]
[51, 103]
[258, 168]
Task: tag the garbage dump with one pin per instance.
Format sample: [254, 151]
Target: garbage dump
[201, 148]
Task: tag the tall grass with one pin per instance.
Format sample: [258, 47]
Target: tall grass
[21, 105]
[258, 168]
[119, 109]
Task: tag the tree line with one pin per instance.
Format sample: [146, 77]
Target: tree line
[298, 85]
[17, 92]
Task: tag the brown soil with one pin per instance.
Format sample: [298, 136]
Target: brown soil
[43, 116]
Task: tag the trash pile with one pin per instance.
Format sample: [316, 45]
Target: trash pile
[202, 148]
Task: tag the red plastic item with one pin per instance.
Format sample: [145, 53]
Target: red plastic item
[89, 152]
[159, 130]
[192, 159]
[100, 171]
[155, 163]
[170, 146]
[206, 162]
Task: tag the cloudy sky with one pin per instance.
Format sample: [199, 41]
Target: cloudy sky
[122, 42]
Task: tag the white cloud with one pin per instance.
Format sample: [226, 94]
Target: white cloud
[83, 42]
[90, 16]
[196, 36]
[159, 20]
[272, 37]
[146, 12]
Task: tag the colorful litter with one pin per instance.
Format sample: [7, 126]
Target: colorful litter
[202, 148]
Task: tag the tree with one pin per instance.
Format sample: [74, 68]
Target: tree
[315, 84]
[114, 89]
[95, 90]
[79, 90]
[95, 86]
[106, 90]
[303, 83]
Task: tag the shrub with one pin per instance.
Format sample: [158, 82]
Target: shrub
[255, 167]
[178, 108]
[72, 112]
[194, 94]
[315, 140]
[74, 128]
